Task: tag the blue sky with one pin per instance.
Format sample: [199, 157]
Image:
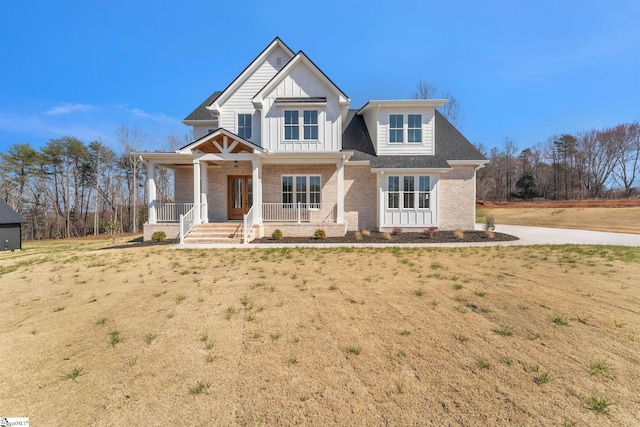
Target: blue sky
[520, 70]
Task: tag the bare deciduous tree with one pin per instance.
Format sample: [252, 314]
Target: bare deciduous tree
[451, 110]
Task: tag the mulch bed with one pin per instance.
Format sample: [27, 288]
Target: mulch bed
[409, 237]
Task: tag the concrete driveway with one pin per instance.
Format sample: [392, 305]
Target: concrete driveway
[560, 236]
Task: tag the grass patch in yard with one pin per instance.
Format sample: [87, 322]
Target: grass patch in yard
[237, 352]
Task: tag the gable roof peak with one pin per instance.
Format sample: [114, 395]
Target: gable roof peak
[300, 57]
[248, 71]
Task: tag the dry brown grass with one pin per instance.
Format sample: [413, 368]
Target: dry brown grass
[455, 367]
[620, 220]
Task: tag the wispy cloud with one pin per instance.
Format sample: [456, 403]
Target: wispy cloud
[85, 122]
[68, 108]
[154, 117]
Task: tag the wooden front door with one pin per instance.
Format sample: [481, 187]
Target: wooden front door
[240, 195]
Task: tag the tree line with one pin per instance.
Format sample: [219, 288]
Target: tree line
[598, 163]
[69, 188]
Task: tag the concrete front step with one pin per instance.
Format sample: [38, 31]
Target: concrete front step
[216, 233]
[212, 241]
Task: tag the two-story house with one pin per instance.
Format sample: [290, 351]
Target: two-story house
[279, 148]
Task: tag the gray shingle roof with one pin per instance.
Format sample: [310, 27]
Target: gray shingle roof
[201, 112]
[8, 215]
[450, 145]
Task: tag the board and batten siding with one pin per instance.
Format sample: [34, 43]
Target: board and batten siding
[301, 83]
[239, 102]
[412, 217]
[378, 126]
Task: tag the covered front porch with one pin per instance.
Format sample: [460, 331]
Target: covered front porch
[222, 178]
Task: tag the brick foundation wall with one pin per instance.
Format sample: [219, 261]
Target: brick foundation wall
[172, 230]
[291, 229]
[457, 199]
[360, 197]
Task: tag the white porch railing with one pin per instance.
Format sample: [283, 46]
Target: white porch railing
[170, 212]
[299, 212]
[187, 222]
[249, 221]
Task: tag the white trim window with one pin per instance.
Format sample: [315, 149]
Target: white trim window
[424, 188]
[291, 128]
[396, 128]
[310, 120]
[399, 132]
[244, 126]
[303, 189]
[406, 197]
[292, 125]
[409, 192]
[414, 128]
[393, 192]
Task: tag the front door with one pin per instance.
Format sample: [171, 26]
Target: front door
[240, 194]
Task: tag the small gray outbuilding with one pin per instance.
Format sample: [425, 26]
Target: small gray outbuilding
[10, 228]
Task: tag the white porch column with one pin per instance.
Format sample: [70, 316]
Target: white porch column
[204, 213]
[340, 192]
[257, 189]
[196, 190]
[151, 192]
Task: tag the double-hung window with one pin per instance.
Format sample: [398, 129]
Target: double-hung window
[396, 128]
[310, 124]
[402, 192]
[293, 122]
[244, 126]
[414, 128]
[393, 192]
[291, 129]
[398, 133]
[423, 192]
[303, 189]
[408, 192]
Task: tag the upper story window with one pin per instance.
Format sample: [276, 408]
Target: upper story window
[414, 128]
[396, 128]
[291, 129]
[311, 124]
[292, 124]
[244, 126]
[398, 133]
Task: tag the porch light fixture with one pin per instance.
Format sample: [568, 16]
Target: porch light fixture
[235, 163]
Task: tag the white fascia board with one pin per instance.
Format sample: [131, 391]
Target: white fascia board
[401, 171]
[402, 103]
[165, 158]
[306, 158]
[467, 162]
[199, 122]
[214, 108]
[358, 162]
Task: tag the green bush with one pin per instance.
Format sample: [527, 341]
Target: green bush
[320, 234]
[158, 236]
[277, 234]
